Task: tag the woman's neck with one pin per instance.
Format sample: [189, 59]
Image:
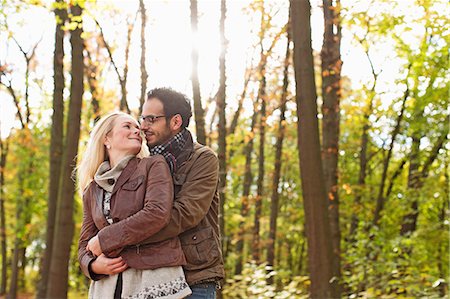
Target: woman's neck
[115, 158]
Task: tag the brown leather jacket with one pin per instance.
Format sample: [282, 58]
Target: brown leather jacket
[140, 206]
[194, 216]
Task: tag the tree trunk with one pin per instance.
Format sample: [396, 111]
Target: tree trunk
[331, 93]
[397, 172]
[362, 170]
[248, 178]
[262, 98]
[4, 147]
[18, 242]
[413, 178]
[56, 149]
[12, 293]
[91, 74]
[144, 75]
[124, 78]
[198, 109]
[236, 115]
[222, 128]
[442, 223]
[300, 258]
[416, 179]
[278, 158]
[58, 276]
[314, 194]
[381, 198]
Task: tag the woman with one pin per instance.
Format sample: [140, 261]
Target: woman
[126, 199]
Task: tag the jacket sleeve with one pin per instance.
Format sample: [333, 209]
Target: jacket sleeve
[151, 218]
[88, 230]
[193, 201]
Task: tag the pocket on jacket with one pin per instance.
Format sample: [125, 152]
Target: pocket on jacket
[133, 184]
[200, 248]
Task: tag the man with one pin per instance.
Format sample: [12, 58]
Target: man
[194, 216]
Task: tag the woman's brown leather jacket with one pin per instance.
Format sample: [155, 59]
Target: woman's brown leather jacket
[141, 202]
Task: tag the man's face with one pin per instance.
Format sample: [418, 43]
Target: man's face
[159, 131]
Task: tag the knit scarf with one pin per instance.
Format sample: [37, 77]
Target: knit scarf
[106, 177]
[172, 148]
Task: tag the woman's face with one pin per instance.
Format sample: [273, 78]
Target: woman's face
[125, 137]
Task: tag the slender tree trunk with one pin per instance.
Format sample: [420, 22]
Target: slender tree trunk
[23, 263]
[262, 98]
[278, 158]
[222, 129]
[397, 172]
[301, 258]
[442, 220]
[413, 178]
[56, 149]
[4, 147]
[12, 293]
[248, 178]
[91, 73]
[198, 109]
[124, 78]
[416, 180]
[363, 159]
[18, 242]
[234, 122]
[58, 277]
[259, 182]
[144, 75]
[362, 170]
[381, 198]
[331, 93]
[236, 115]
[320, 256]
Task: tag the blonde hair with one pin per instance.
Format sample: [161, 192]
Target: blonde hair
[95, 153]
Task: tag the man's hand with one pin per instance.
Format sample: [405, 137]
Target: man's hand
[94, 246]
[108, 266]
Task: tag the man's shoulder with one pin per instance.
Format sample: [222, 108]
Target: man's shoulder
[201, 155]
[203, 150]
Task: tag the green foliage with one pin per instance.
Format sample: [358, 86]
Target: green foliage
[253, 284]
[408, 49]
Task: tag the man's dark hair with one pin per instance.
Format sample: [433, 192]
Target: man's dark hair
[174, 102]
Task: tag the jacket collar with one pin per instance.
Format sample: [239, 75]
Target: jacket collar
[125, 175]
[187, 151]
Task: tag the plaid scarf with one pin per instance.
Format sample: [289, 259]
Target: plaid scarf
[171, 149]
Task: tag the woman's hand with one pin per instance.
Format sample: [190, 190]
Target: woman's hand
[108, 266]
[94, 246]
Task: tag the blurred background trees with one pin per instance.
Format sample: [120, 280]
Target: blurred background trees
[332, 140]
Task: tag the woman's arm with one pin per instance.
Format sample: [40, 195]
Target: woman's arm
[93, 266]
[154, 215]
[88, 230]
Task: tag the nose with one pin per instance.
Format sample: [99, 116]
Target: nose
[143, 126]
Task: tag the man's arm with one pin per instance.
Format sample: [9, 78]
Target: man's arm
[193, 201]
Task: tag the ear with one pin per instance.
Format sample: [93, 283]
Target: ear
[176, 122]
[107, 143]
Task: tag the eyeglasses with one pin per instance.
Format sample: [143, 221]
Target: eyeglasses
[149, 119]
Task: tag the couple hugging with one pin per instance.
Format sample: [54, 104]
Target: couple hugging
[150, 220]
